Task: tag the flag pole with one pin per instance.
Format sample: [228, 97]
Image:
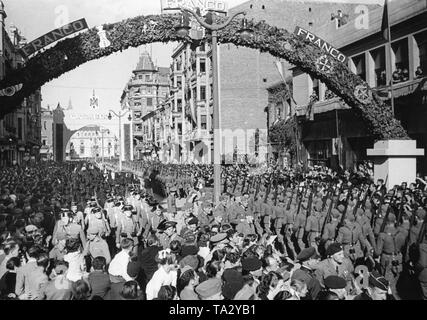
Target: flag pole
[390, 62]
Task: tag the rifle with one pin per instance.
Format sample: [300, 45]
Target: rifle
[257, 188]
[302, 195]
[358, 202]
[310, 202]
[269, 187]
[243, 185]
[341, 223]
[328, 215]
[326, 197]
[225, 181]
[235, 184]
[375, 216]
[399, 216]
[388, 212]
[288, 206]
[275, 192]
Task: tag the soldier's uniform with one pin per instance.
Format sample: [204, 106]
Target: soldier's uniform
[240, 219]
[390, 244]
[127, 227]
[257, 207]
[66, 231]
[367, 232]
[351, 237]
[299, 226]
[379, 219]
[171, 201]
[330, 232]
[314, 225]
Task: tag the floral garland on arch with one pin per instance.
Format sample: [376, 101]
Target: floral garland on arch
[70, 53]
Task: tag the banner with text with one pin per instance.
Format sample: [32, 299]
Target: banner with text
[53, 36]
[322, 44]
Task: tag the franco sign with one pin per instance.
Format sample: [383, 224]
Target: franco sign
[53, 36]
[203, 5]
[322, 44]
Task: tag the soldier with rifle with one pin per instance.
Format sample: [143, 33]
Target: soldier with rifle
[390, 245]
[314, 222]
[350, 234]
[300, 219]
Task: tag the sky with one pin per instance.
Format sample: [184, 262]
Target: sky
[107, 76]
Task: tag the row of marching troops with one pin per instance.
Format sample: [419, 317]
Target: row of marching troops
[376, 227]
[384, 229]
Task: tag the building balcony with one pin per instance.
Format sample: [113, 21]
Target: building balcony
[400, 89]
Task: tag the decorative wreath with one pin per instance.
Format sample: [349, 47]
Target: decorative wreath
[51, 64]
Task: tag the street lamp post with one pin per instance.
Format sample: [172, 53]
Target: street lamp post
[120, 116]
[245, 33]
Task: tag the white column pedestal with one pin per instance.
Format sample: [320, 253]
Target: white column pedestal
[395, 161]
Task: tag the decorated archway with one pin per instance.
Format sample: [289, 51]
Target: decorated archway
[70, 53]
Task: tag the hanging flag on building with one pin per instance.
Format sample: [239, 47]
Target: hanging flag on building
[385, 23]
[94, 101]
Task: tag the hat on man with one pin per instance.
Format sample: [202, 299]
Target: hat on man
[378, 281]
[218, 238]
[306, 254]
[209, 288]
[251, 264]
[165, 224]
[333, 248]
[335, 282]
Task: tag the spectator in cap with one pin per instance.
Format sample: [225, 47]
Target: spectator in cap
[309, 260]
[336, 285]
[186, 283]
[165, 275]
[252, 266]
[335, 264]
[378, 288]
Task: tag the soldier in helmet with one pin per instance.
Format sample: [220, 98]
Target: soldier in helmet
[351, 237]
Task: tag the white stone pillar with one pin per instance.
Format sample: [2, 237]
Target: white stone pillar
[395, 161]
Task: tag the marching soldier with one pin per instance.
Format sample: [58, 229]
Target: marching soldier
[243, 219]
[390, 244]
[351, 237]
[299, 225]
[126, 226]
[314, 225]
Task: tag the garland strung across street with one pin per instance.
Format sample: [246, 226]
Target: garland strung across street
[95, 43]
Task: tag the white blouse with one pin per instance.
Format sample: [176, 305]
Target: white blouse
[160, 279]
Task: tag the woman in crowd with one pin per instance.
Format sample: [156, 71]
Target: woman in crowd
[165, 275]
